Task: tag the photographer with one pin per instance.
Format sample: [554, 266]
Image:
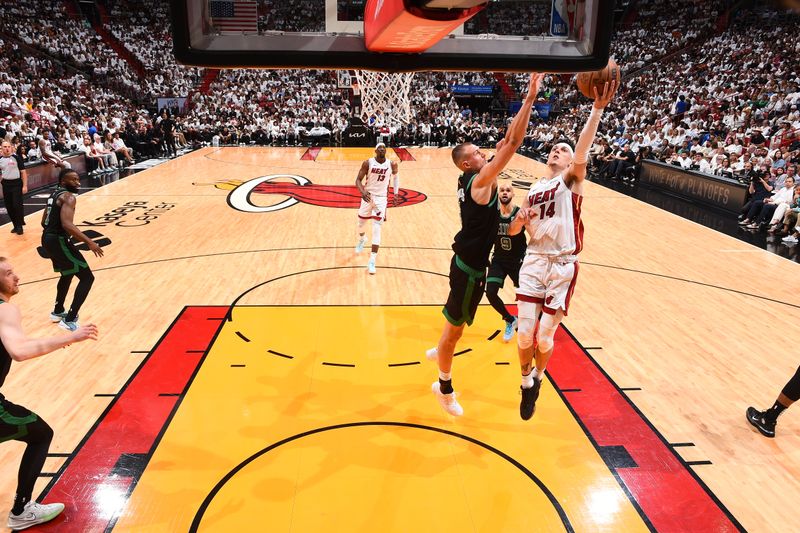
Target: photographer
[760, 189]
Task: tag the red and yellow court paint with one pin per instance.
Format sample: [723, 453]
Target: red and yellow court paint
[266, 418]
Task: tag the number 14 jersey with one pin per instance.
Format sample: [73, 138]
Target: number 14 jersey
[557, 228]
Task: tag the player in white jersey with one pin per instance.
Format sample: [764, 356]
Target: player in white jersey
[551, 214]
[374, 198]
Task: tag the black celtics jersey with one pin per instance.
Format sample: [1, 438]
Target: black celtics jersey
[5, 360]
[509, 247]
[52, 218]
[478, 225]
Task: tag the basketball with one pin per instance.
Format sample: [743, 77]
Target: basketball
[588, 80]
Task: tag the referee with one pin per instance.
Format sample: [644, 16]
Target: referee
[15, 184]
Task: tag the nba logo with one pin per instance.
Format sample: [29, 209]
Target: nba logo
[562, 18]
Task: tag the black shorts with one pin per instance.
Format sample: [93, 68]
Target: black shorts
[466, 290]
[500, 268]
[66, 259]
[15, 420]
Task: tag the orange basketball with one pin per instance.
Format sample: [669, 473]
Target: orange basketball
[588, 80]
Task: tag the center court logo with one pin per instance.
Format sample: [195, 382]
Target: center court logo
[299, 189]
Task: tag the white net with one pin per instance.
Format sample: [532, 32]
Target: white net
[385, 93]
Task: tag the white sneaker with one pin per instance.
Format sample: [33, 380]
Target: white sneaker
[360, 246]
[371, 266]
[790, 239]
[447, 401]
[432, 354]
[508, 334]
[33, 514]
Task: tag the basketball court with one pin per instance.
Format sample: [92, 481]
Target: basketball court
[250, 375]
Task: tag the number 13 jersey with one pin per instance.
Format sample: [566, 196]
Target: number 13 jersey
[557, 228]
[378, 177]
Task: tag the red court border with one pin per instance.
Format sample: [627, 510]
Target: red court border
[662, 486]
[311, 154]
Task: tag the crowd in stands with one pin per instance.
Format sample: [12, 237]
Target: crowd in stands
[511, 18]
[654, 35]
[143, 27]
[726, 105]
[292, 15]
[45, 24]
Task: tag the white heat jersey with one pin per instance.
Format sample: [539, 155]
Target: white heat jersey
[378, 177]
[557, 228]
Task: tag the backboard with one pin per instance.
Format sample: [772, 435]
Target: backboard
[498, 35]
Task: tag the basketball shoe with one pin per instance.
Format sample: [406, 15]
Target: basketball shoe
[759, 421]
[57, 317]
[70, 326]
[432, 354]
[371, 266]
[361, 242]
[33, 514]
[508, 334]
[447, 401]
[527, 404]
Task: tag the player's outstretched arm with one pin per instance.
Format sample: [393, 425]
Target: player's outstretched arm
[21, 348]
[508, 146]
[577, 171]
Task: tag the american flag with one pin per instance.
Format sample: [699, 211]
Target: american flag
[234, 16]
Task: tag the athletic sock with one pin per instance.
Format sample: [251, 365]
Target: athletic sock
[373, 256]
[445, 382]
[19, 504]
[445, 386]
[527, 380]
[774, 412]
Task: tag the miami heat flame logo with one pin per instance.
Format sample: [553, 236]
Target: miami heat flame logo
[299, 189]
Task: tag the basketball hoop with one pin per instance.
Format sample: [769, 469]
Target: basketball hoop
[386, 92]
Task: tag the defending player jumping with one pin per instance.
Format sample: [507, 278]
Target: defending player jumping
[480, 218]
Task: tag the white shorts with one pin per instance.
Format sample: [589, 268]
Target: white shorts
[549, 281]
[375, 210]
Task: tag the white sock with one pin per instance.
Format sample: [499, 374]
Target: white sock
[527, 381]
[445, 376]
[362, 238]
[373, 256]
[538, 375]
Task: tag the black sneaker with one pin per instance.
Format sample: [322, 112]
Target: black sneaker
[760, 422]
[527, 405]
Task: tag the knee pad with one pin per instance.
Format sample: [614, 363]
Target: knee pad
[547, 331]
[529, 310]
[376, 232]
[525, 329]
